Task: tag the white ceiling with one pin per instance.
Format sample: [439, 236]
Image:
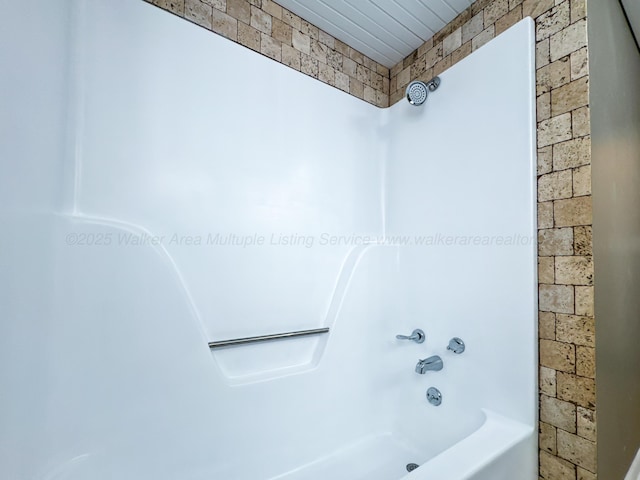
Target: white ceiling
[384, 30]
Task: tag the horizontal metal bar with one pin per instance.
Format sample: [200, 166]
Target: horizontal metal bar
[266, 338]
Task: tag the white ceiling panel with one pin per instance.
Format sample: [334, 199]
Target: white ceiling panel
[384, 30]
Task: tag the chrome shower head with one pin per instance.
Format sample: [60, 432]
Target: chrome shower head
[417, 92]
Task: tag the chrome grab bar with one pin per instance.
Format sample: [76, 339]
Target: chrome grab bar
[265, 338]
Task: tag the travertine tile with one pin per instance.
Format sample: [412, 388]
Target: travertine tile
[240, 10]
[555, 185]
[572, 154]
[581, 122]
[545, 215]
[292, 19]
[514, 3]
[508, 20]
[363, 74]
[548, 381]
[327, 74]
[558, 356]
[579, 390]
[554, 130]
[558, 413]
[578, 10]
[586, 423]
[418, 67]
[495, 10]
[356, 88]
[570, 96]
[291, 58]
[543, 107]
[582, 181]
[369, 94]
[302, 43]
[586, 362]
[342, 81]
[174, 6]
[568, 40]
[585, 474]
[442, 65]
[334, 59]
[309, 65]
[577, 450]
[225, 25]
[535, 8]
[574, 270]
[348, 66]
[404, 77]
[313, 32]
[572, 212]
[424, 48]
[343, 48]
[547, 325]
[319, 51]
[281, 31]
[272, 8]
[555, 241]
[326, 39]
[473, 27]
[545, 159]
[556, 298]
[260, 20]
[553, 20]
[554, 75]
[198, 13]
[463, 52]
[547, 437]
[579, 63]
[546, 270]
[554, 468]
[542, 54]
[452, 42]
[575, 329]
[217, 4]
[248, 36]
[584, 301]
[483, 37]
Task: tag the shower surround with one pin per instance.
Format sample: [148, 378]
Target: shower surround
[356, 220]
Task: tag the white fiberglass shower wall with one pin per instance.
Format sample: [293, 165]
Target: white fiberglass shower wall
[173, 188]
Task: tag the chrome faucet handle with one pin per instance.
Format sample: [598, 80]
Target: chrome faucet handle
[417, 336]
[456, 345]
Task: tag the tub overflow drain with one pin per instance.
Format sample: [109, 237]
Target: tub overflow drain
[412, 466]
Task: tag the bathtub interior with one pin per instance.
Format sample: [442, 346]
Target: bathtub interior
[118, 279]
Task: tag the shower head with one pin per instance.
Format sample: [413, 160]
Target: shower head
[417, 91]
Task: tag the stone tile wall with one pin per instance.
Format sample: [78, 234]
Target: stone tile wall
[565, 264]
[274, 31]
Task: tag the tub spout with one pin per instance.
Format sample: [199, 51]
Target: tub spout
[433, 363]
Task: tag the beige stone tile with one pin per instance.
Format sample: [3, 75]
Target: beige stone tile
[547, 437]
[272, 8]
[547, 325]
[292, 19]
[582, 181]
[545, 160]
[174, 6]
[558, 413]
[578, 10]
[281, 31]
[581, 122]
[463, 52]
[584, 301]
[382, 100]
[585, 474]
[554, 130]
[554, 468]
[385, 86]
[535, 8]
[514, 3]
[495, 10]
[473, 27]
[508, 20]
[572, 212]
[342, 81]
[326, 39]
[543, 107]
[302, 43]
[240, 10]
[433, 56]
[555, 185]
[546, 272]
[376, 81]
[217, 4]
[579, 390]
[568, 40]
[418, 67]
[442, 65]
[556, 298]
[395, 97]
[349, 67]
[291, 58]
[479, 5]
[319, 51]
[198, 13]
[311, 30]
[309, 65]
[393, 84]
[483, 37]
[579, 63]
[570, 96]
[555, 241]
[545, 215]
[334, 59]
[370, 64]
[577, 450]
[369, 94]
[248, 36]
[225, 25]
[572, 154]
[552, 76]
[356, 88]
[341, 47]
[553, 20]
[586, 362]
[363, 74]
[404, 77]
[270, 47]
[582, 240]
[547, 381]
[260, 20]
[575, 329]
[558, 356]
[382, 70]
[256, 3]
[542, 54]
[326, 73]
[425, 47]
[452, 42]
[574, 270]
